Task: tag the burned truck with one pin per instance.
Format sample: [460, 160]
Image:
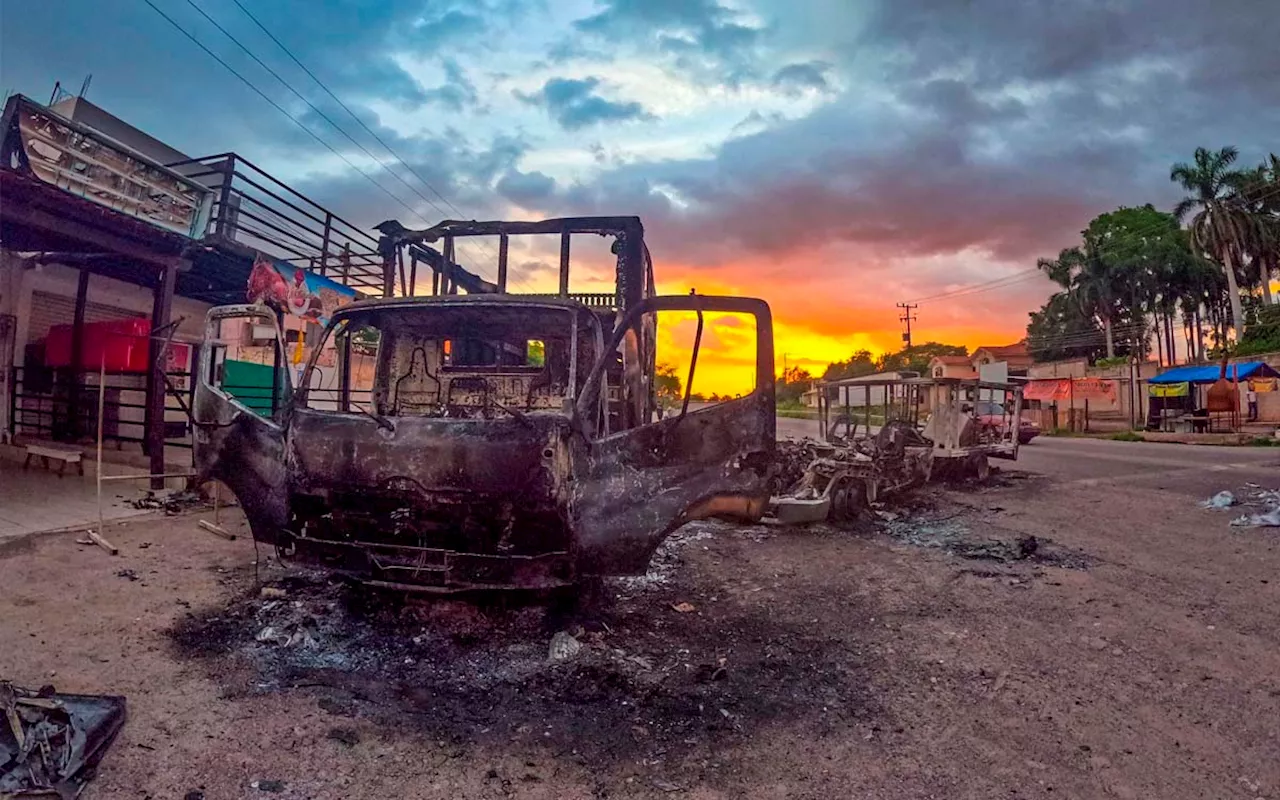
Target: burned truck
[486, 440]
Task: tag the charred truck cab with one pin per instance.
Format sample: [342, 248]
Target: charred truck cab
[480, 441]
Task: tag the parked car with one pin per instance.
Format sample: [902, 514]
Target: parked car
[991, 415]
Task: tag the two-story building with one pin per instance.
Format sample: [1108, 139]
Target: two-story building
[113, 245]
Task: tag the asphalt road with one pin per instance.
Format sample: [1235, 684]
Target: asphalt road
[1186, 469]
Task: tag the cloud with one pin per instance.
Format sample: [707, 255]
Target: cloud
[700, 35]
[456, 93]
[801, 77]
[526, 189]
[452, 26]
[884, 149]
[574, 104]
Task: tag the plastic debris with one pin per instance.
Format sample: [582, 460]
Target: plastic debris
[1223, 499]
[1271, 519]
[563, 647]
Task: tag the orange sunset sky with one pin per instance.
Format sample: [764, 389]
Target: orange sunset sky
[833, 157]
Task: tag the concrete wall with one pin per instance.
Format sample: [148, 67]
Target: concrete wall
[1072, 368]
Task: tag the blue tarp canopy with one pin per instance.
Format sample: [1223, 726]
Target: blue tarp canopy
[1209, 373]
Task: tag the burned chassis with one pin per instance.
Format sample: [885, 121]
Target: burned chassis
[531, 500]
[850, 472]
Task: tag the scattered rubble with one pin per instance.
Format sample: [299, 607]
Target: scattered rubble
[666, 559]
[49, 742]
[955, 537]
[170, 501]
[502, 673]
[1270, 519]
[1255, 496]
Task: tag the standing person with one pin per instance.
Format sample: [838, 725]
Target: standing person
[1251, 397]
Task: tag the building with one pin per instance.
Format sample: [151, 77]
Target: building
[106, 229]
[1016, 356]
[952, 367]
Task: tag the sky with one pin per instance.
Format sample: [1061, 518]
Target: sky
[833, 157]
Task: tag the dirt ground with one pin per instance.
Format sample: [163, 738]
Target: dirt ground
[1131, 650]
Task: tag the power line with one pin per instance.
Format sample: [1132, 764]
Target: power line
[328, 119]
[345, 108]
[403, 162]
[1026, 274]
[1021, 276]
[277, 107]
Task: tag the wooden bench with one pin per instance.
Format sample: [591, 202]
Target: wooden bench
[63, 453]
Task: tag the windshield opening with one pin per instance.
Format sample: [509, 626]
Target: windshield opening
[479, 362]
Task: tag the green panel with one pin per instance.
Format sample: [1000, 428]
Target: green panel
[249, 383]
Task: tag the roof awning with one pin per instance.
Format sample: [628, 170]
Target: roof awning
[1210, 373]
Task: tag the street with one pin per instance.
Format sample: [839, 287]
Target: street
[1079, 627]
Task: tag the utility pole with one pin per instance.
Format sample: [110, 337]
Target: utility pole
[906, 319]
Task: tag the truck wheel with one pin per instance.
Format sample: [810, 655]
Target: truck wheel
[981, 468]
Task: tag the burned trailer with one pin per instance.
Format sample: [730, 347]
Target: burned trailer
[462, 442]
[885, 435]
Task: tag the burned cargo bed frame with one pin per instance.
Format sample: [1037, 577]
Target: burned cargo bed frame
[852, 470]
[499, 472]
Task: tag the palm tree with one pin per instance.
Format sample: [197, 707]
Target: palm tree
[1222, 226]
[1089, 283]
[1260, 193]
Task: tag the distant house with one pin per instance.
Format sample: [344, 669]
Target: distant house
[952, 367]
[809, 399]
[1015, 355]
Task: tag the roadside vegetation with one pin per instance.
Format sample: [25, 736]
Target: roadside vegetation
[1141, 278]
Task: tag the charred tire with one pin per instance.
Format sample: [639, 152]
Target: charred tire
[841, 501]
[979, 467]
[848, 499]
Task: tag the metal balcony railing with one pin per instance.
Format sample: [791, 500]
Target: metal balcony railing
[254, 209]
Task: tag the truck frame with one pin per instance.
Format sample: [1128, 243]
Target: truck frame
[853, 469]
[499, 441]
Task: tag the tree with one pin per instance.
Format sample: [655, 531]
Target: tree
[1089, 282]
[1259, 192]
[1060, 330]
[667, 387]
[1222, 225]
[860, 363]
[1149, 267]
[793, 383]
[917, 357]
